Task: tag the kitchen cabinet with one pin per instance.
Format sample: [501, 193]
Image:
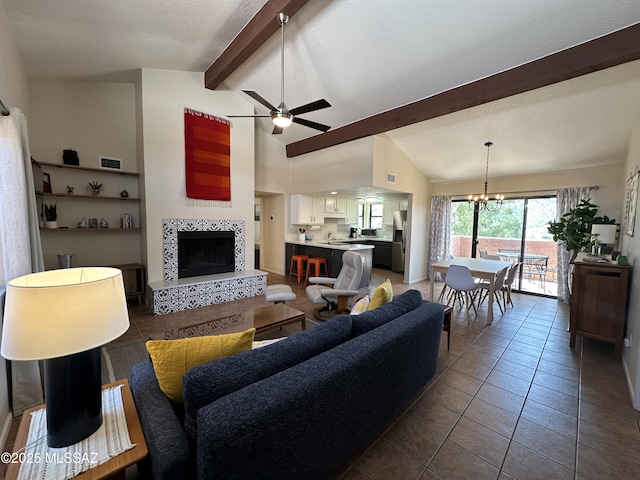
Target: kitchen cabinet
[404, 204]
[351, 217]
[599, 302]
[306, 210]
[387, 212]
[382, 254]
[335, 207]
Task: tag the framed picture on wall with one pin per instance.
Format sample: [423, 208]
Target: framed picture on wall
[631, 203]
[46, 183]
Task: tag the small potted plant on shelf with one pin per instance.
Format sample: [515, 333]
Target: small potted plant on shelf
[50, 216]
[95, 187]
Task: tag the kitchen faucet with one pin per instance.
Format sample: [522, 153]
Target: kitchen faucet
[329, 236]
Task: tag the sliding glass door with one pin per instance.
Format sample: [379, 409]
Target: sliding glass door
[517, 232]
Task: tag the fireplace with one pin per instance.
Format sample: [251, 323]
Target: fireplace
[205, 253]
[176, 292]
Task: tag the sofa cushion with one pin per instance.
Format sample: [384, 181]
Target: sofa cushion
[209, 382]
[400, 305]
[173, 358]
[381, 295]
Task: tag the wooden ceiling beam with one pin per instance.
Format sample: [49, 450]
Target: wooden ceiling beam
[253, 35]
[604, 52]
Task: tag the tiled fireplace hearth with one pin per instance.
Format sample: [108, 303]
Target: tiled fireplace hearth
[175, 294]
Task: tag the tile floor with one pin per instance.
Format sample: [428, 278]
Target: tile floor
[510, 400]
[513, 401]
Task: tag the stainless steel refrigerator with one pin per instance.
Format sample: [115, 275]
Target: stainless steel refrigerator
[399, 240]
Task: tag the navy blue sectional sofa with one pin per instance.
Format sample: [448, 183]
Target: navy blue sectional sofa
[296, 409]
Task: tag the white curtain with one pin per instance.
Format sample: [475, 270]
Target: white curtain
[19, 237]
[439, 231]
[567, 198]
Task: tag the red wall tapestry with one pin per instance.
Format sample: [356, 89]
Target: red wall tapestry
[207, 156]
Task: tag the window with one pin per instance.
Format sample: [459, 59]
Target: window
[361, 215]
[375, 219]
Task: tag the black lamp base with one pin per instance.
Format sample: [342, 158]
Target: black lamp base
[73, 397]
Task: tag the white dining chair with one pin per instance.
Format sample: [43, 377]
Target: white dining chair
[498, 284]
[508, 283]
[461, 283]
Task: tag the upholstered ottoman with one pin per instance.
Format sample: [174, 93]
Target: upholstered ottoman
[279, 293]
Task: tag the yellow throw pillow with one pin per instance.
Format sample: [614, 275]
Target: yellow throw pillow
[173, 358]
[382, 295]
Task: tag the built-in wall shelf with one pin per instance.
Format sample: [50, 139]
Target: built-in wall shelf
[85, 197]
[88, 169]
[74, 230]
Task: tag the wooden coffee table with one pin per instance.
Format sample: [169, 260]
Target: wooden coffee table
[115, 467]
[262, 319]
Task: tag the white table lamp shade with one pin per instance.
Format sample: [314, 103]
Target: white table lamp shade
[61, 312]
[606, 233]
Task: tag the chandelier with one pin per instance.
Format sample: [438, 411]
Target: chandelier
[482, 201]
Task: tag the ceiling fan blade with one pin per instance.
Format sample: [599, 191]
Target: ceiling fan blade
[310, 107]
[310, 124]
[277, 130]
[258, 98]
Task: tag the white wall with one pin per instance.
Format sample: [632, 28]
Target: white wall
[13, 93]
[165, 94]
[389, 158]
[631, 248]
[609, 196]
[272, 165]
[95, 119]
[345, 166]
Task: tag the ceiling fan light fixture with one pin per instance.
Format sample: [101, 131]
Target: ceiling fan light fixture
[282, 119]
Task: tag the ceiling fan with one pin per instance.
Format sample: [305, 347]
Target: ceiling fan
[281, 116]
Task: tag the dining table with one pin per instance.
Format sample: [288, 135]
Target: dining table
[480, 268]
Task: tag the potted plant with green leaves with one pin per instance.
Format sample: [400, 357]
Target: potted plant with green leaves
[50, 215]
[573, 229]
[95, 187]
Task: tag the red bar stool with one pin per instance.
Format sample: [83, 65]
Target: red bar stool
[317, 263]
[297, 266]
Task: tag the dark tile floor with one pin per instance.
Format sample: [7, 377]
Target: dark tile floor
[510, 400]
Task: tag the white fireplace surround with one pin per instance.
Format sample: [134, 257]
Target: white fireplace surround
[175, 294]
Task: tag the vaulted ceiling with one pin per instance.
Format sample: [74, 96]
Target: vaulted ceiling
[370, 57]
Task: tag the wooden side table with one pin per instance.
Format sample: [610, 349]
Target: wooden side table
[115, 467]
[448, 310]
[133, 278]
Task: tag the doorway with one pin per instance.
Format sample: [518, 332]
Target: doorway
[517, 232]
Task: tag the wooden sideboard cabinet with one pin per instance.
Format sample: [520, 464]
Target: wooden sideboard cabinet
[599, 302]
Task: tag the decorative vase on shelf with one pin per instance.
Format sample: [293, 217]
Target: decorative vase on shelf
[82, 223]
[51, 224]
[104, 223]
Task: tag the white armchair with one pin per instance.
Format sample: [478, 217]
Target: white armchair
[337, 294]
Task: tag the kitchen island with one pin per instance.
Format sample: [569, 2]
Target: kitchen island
[331, 251]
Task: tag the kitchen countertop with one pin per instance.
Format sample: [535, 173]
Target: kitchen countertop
[334, 244]
[368, 239]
